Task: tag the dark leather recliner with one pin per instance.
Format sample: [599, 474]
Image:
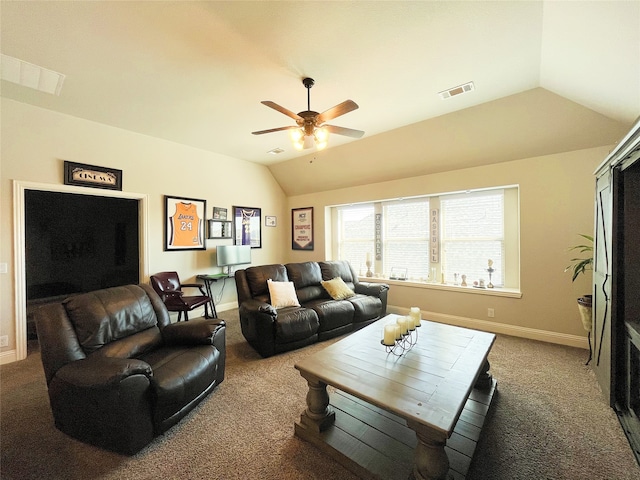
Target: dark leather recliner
[272, 330]
[119, 372]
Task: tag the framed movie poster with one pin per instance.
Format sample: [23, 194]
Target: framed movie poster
[184, 223]
[302, 228]
[247, 226]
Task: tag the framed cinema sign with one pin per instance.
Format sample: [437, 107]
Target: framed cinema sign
[302, 228]
[83, 175]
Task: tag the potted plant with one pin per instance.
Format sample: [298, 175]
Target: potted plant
[579, 266]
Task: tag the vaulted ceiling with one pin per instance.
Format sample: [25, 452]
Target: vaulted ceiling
[196, 72]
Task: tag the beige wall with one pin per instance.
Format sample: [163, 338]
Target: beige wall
[556, 203]
[36, 141]
[556, 195]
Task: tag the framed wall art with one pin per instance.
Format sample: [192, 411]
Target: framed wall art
[219, 213]
[184, 227]
[302, 228]
[269, 221]
[219, 229]
[84, 175]
[247, 226]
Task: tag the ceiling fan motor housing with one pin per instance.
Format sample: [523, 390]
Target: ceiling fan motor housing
[308, 121]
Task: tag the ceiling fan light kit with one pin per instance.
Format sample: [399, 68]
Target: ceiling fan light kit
[310, 129]
[302, 141]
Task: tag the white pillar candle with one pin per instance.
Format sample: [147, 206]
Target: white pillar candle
[415, 316]
[389, 335]
[398, 332]
[368, 256]
[409, 320]
[402, 323]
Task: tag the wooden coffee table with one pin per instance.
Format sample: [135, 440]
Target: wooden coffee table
[390, 416]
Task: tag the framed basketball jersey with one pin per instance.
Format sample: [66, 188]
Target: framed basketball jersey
[184, 223]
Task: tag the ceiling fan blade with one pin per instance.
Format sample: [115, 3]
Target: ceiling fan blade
[340, 109]
[260, 132]
[349, 132]
[277, 107]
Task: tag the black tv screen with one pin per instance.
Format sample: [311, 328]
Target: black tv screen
[78, 243]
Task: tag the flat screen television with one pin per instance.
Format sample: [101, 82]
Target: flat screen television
[231, 255]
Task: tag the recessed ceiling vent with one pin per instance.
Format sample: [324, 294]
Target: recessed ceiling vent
[275, 151]
[30, 75]
[459, 90]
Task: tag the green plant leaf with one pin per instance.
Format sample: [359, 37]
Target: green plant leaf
[581, 265]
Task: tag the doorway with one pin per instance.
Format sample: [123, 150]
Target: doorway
[20, 213]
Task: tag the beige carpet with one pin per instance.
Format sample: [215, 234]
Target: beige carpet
[548, 421]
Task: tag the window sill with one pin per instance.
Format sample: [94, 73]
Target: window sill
[495, 292]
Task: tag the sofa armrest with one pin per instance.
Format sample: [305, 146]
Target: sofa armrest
[257, 321]
[256, 306]
[104, 401]
[201, 331]
[370, 288]
[99, 372]
[379, 290]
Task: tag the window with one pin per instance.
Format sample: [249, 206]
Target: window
[472, 233]
[473, 228]
[355, 234]
[405, 237]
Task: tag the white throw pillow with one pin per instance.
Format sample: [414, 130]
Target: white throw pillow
[283, 294]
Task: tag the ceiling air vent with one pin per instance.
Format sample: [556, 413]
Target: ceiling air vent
[30, 75]
[275, 151]
[459, 90]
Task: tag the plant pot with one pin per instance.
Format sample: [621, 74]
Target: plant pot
[584, 305]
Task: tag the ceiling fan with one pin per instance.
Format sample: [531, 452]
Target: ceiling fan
[310, 128]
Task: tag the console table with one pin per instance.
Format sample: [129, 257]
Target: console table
[208, 279]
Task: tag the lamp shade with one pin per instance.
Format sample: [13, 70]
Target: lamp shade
[302, 141]
[321, 138]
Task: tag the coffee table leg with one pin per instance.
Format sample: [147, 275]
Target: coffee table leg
[430, 460]
[318, 416]
[485, 378]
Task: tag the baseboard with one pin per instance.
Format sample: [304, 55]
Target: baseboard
[501, 328]
[9, 356]
[226, 306]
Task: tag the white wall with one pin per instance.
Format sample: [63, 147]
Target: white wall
[556, 204]
[35, 142]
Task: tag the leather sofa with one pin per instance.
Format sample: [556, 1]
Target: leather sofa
[119, 372]
[271, 330]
